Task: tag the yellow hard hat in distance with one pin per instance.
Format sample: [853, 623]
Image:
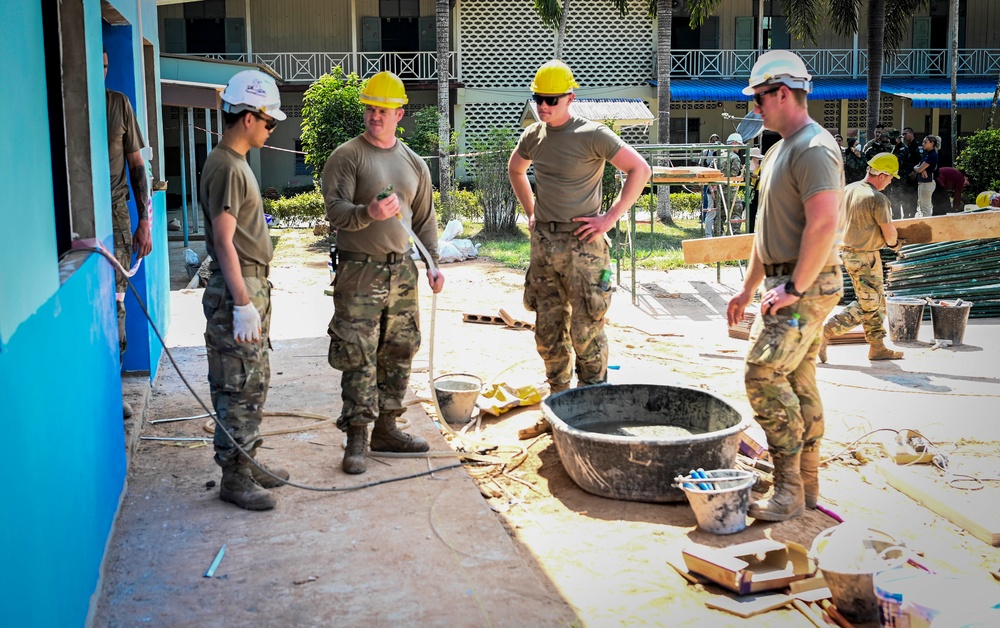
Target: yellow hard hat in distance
[984, 198]
[553, 79]
[885, 163]
[385, 90]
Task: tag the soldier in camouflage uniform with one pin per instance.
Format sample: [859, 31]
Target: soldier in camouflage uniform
[869, 228]
[237, 300]
[569, 248]
[124, 145]
[731, 165]
[368, 183]
[795, 254]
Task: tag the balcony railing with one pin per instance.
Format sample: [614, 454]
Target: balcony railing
[306, 67]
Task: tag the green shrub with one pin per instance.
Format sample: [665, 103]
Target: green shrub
[331, 115]
[681, 203]
[301, 208]
[980, 161]
[423, 139]
[294, 190]
[466, 205]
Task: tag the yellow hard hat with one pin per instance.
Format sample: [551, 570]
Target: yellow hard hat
[553, 78]
[885, 163]
[386, 90]
[984, 198]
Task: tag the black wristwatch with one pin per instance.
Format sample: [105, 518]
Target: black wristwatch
[790, 289]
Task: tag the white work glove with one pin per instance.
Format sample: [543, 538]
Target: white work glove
[246, 323]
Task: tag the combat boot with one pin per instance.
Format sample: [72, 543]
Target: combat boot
[259, 476]
[387, 437]
[542, 425]
[238, 487]
[878, 351]
[809, 468]
[355, 461]
[788, 500]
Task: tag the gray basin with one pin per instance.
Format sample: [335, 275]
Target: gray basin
[629, 441]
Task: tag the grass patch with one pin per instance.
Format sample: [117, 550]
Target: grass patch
[656, 248]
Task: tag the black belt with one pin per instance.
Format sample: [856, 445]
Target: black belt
[557, 227]
[350, 256]
[787, 268]
[247, 270]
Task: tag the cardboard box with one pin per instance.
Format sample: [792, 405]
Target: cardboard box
[745, 568]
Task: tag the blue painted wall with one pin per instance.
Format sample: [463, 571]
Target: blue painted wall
[60, 404]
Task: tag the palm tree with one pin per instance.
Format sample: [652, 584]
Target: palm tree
[554, 15]
[954, 80]
[443, 26]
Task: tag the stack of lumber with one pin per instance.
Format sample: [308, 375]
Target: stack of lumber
[742, 331]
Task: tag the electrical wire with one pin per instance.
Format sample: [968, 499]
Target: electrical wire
[101, 250]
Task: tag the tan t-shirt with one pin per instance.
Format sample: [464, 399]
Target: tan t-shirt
[867, 209]
[228, 185]
[124, 137]
[795, 169]
[357, 172]
[569, 164]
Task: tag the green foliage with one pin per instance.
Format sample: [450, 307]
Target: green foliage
[301, 208]
[681, 203]
[423, 138]
[980, 161]
[609, 180]
[492, 183]
[331, 115]
[293, 190]
[465, 205]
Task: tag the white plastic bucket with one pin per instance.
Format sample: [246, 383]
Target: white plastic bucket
[891, 587]
[721, 509]
[939, 594]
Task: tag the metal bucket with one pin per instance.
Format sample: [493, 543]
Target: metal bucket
[456, 396]
[949, 320]
[903, 318]
[721, 509]
[852, 585]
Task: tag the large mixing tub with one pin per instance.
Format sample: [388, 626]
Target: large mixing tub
[630, 441]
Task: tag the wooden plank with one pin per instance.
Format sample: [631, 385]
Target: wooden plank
[975, 511]
[948, 228]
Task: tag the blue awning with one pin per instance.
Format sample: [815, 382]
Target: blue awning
[936, 93]
[926, 93]
[731, 90]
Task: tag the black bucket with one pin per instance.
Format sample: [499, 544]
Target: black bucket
[903, 317]
[949, 320]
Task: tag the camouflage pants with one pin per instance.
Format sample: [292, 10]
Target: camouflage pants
[122, 229]
[238, 372]
[374, 334]
[868, 308]
[561, 287]
[780, 368]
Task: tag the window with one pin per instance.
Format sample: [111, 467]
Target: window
[69, 121]
[301, 169]
[399, 8]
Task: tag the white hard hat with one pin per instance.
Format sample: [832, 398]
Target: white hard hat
[252, 90]
[734, 137]
[779, 66]
[755, 152]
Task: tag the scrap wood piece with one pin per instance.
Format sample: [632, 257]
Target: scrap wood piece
[813, 618]
[510, 321]
[485, 319]
[947, 228]
[975, 511]
[749, 605]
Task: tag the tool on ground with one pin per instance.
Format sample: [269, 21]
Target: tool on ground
[215, 563]
[940, 342]
[912, 448]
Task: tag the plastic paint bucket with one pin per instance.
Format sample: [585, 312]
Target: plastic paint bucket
[456, 396]
[723, 508]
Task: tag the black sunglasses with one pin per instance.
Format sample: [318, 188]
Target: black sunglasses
[551, 101]
[269, 123]
[758, 98]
